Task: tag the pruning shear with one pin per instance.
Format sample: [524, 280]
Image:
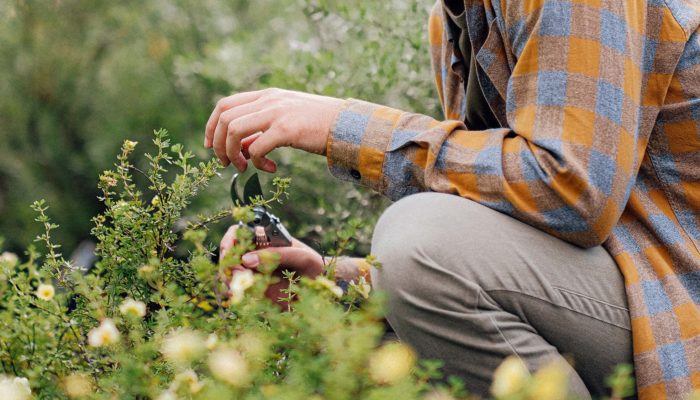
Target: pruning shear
[266, 228]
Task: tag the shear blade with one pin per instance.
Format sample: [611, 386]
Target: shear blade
[251, 189]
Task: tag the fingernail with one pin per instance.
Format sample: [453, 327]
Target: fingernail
[250, 260]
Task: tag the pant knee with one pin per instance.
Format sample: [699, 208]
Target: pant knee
[395, 243]
[413, 243]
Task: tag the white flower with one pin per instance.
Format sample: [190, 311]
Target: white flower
[183, 346]
[14, 388]
[229, 366]
[391, 363]
[211, 342]
[509, 378]
[133, 307]
[9, 258]
[241, 281]
[45, 292]
[104, 335]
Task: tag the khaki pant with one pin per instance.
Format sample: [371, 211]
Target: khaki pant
[470, 286]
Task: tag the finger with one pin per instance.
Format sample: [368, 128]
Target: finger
[246, 142]
[221, 132]
[293, 258]
[228, 241]
[258, 150]
[219, 142]
[245, 126]
[221, 106]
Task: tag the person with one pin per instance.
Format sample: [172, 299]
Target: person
[553, 213]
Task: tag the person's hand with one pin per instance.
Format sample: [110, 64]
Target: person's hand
[250, 125]
[299, 258]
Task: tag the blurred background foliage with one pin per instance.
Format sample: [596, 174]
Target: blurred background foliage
[80, 76]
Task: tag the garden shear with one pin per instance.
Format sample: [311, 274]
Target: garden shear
[266, 228]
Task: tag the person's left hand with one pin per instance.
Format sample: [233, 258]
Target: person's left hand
[299, 258]
[250, 125]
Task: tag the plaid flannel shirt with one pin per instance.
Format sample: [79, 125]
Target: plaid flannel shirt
[599, 143]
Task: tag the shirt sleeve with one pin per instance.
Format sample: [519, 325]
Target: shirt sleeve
[568, 158]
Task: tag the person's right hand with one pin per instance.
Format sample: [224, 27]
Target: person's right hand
[299, 258]
[250, 125]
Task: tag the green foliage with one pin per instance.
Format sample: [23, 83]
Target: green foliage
[144, 323]
[81, 74]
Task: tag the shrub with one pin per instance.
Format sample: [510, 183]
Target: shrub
[145, 323]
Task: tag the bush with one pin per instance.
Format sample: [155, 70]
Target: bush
[80, 75]
[144, 323]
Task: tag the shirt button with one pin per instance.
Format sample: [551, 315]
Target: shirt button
[355, 174]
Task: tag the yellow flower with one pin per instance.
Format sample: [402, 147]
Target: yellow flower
[695, 395]
[14, 388]
[391, 363]
[509, 378]
[183, 346]
[77, 386]
[104, 335]
[551, 382]
[229, 366]
[45, 292]
[241, 281]
[133, 307]
[9, 258]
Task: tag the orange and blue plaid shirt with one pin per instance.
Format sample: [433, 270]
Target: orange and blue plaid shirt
[598, 103]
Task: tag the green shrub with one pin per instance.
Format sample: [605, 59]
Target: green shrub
[144, 323]
[80, 75]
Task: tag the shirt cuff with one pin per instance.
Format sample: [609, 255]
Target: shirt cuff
[358, 142]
